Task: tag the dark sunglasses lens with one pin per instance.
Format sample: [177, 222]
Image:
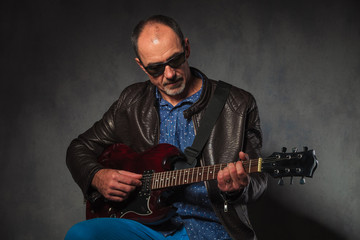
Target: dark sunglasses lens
[155, 71]
[177, 61]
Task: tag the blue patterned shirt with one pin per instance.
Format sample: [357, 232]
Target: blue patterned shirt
[195, 211]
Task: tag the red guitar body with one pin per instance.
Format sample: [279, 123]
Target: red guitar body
[144, 205]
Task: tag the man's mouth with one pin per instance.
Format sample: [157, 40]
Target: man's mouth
[172, 83]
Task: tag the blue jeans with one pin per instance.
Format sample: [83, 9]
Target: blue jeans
[118, 229]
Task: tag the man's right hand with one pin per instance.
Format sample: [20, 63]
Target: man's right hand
[116, 185]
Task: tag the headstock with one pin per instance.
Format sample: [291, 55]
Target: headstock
[282, 164]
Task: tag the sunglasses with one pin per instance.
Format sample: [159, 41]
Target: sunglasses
[158, 69]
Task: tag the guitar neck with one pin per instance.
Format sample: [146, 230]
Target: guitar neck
[198, 174]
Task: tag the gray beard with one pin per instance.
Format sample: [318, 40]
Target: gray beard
[175, 91]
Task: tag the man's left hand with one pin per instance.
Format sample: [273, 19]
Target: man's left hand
[233, 178]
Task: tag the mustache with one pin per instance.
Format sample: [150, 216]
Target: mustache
[173, 80]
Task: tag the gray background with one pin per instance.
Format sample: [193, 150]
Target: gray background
[64, 62]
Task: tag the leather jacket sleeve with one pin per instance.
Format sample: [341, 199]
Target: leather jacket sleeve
[131, 120]
[82, 154]
[252, 146]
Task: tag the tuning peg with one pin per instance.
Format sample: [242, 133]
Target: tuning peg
[305, 148]
[291, 180]
[283, 149]
[302, 180]
[294, 149]
[281, 181]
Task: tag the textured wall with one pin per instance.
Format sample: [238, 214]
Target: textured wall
[64, 62]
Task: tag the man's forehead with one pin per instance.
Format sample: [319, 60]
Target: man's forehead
[155, 40]
[158, 40]
[156, 32]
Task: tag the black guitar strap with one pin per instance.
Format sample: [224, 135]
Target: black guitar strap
[214, 108]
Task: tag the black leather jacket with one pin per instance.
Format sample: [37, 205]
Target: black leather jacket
[134, 120]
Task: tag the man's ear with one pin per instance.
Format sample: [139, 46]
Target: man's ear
[137, 60]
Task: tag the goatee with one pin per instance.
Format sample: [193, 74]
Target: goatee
[175, 87]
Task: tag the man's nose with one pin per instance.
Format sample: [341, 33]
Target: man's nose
[169, 72]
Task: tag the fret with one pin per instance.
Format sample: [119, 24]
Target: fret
[179, 177]
[249, 166]
[192, 175]
[173, 178]
[197, 175]
[185, 171]
[184, 179]
[164, 179]
[170, 176]
[202, 174]
[157, 180]
[181, 180]
[161, 179]
[167, 179]
[207, 176]
[184, 176]
[188, 172]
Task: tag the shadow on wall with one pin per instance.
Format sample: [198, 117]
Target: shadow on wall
[271, 220]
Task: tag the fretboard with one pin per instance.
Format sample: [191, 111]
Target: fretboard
[198, 174]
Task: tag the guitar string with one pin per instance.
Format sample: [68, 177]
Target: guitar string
[166, 178]
[252, 163]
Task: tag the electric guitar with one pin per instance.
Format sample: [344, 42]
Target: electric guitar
[145, 204]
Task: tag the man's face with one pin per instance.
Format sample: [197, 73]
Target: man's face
[158, 44]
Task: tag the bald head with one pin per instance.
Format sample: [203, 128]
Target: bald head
[160, 39]
[155, 20]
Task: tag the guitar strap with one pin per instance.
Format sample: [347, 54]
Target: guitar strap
[207, 122]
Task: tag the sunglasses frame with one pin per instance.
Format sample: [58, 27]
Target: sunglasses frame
[161, 66]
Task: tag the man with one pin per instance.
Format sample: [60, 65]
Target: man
[167, 109]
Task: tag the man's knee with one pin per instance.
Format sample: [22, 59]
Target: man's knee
[109, 228]
[80, 231]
